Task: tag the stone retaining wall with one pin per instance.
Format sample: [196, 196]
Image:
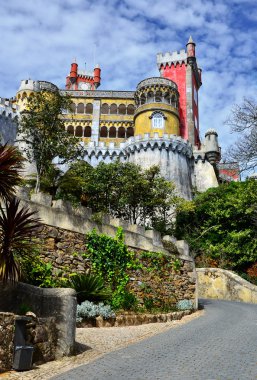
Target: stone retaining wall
[62, 244]
[225, 285]
[134, 319]
[6, 340]
[59, 304]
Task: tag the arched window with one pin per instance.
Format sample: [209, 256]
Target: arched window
[122, 109]
[130, 132]
[121, 132]
[89, 108]
[150, 97]
[105, 109]
[113, 109]
[142, 99]
[158, 96]
[70, 130]
[173, 101]
[79, 131]
[157, 120]
[73, 108]
[130, 109]
[87, 131]
[80, 108]
[167, 98]
[112, 132]
[103, 132]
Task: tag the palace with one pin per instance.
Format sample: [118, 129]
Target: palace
[157, 124]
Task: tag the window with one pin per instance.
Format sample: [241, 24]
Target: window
[105, 108]
[80, 108]
[70, 130]
[131, 109]
[79, 131]
[122, 109]
[130, 132]
[113, 109]
[89, 108]
[103, 132]
[112, 132]
[121, 132]
[157, 120]
[87, 131]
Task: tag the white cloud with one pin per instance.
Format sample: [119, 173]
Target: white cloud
[40, 39]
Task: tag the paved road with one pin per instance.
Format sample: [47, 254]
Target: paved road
[221, 345]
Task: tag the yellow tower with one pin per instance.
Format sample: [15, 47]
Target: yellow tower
[157, 101]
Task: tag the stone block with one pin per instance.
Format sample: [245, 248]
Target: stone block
[155, 235]
[42, 198]
[182, 247]
[136, 228]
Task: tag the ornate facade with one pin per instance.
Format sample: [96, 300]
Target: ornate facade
[157, 124]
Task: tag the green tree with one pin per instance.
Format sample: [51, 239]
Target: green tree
[221, 226]
[124, 190]
[42, 129]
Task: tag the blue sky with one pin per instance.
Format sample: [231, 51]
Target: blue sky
[40, 38]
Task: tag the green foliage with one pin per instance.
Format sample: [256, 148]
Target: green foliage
[111, 259]
[90, 310]
[38, 273]
[123, 299]
[23, 309]
[221, 226]
[49, 181]
[124, 190]
[16, 226]
[109, 256]
[11, 163]
[89, 287]
[42, 129]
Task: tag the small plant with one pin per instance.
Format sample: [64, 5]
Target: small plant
[176, 265]
[148, 303]
[90, 310]
[185, 305]
[123, 299]
[23, 309]
[89, 287]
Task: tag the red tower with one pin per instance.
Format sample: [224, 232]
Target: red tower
[83, 80]
[181, 67]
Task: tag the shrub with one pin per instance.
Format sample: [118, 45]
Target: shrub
[90, 310]
[123, 299]
[185, 305]
[89, 287]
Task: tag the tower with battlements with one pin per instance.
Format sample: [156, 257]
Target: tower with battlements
[82, 79]
[181, 67]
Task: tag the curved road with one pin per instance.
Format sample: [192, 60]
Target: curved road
[221, 345]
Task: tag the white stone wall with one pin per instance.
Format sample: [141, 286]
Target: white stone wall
[205, 176]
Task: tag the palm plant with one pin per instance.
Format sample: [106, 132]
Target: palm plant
[89, 287]
[11, 162]
[16, 225]
[16, 222]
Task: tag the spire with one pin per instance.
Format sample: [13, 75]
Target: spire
[190, 41]
[190, 48]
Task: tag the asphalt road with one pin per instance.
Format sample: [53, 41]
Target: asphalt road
[221, 345]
